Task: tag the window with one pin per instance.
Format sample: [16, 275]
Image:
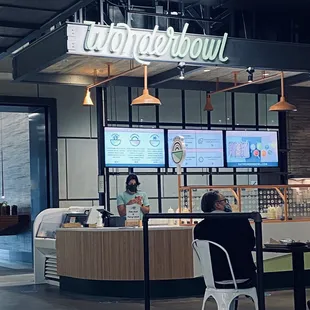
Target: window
[267, 118]
[118, 105]
[245, 109]
[221, 113]
[171, 108]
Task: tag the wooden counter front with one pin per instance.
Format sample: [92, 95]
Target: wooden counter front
[117, 253]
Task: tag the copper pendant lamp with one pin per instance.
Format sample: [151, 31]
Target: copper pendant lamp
[282, 105]
[87, 100]
[208, 106]
[145, 99]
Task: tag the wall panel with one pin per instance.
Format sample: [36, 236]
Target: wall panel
[82, 168]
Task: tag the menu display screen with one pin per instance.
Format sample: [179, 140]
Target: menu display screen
[204, 148]
[252, 149]
[134, 147]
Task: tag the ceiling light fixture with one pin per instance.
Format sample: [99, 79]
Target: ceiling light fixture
[87, 100]
[250, 71]
[282, 105]
[146, 99]
[208, 107]
[181, 67]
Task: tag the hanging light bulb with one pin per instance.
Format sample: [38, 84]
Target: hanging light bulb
[87, 100]
[208, 106]
[282, 105]
[181, 67]
[182, 76]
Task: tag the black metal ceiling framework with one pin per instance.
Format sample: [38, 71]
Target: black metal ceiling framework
[196, 12]
[16, 20]
[209, 15]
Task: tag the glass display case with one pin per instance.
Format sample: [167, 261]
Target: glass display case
[274, 202]
[49, 224]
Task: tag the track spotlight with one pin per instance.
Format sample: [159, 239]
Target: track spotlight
[181, 67]
[250, 71]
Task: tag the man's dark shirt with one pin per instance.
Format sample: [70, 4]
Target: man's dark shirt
[237, 237]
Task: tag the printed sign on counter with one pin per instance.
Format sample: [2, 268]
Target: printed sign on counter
[133, 212]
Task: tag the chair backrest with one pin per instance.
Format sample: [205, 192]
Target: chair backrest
[202, 250]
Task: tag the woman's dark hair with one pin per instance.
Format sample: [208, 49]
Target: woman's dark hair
[132, 177]
[208, 201]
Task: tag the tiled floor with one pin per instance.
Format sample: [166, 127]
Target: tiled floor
[48, 298]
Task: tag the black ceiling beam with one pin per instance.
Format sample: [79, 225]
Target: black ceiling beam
[23, 7]
[60, 17]
[21, 25]
[171, 75]
[2, 49]
[291, 80]
[179, 16]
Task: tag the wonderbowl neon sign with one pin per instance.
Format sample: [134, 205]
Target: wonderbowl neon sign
[142, 45]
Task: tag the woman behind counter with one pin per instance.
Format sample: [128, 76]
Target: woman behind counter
[132, 196]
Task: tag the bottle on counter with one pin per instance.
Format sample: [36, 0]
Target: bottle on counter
[99, 220]
[279, 212]
[272, 215]
[4, 208]
[185, 221]
[14, 210]
[176, 221]
[171, 222]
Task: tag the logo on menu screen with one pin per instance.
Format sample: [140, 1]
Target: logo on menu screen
[178, 150]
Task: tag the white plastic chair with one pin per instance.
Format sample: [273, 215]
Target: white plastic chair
[224, 297]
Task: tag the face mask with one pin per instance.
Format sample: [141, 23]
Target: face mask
[227, 208]
[132, 187]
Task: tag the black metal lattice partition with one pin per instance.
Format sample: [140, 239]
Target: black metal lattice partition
[255, 216]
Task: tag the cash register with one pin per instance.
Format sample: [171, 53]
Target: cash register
[110, 220]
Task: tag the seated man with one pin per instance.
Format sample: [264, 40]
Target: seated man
[235, 235]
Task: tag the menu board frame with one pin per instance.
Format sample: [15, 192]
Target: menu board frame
[230, 165]
[136, 129]
[197, 130]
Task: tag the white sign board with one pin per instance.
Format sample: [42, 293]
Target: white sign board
[143, 45]
[133, 212]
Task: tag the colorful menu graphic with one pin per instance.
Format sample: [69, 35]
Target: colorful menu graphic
[251, 149]
[204, 148]
[134, 147]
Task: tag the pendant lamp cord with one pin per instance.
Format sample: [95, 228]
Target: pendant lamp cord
[145, 77]
[282, 84]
